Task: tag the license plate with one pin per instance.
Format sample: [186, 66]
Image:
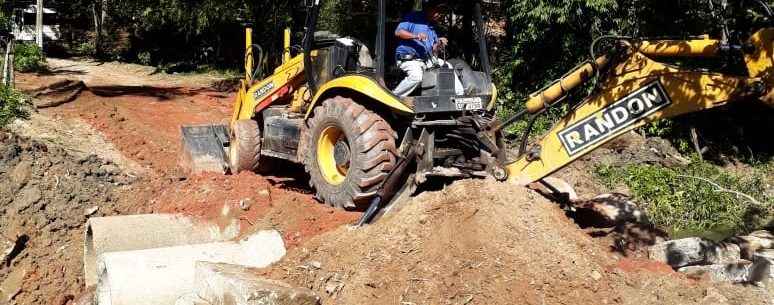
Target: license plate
[468, 103]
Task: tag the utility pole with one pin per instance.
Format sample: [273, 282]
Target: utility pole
[39, 24]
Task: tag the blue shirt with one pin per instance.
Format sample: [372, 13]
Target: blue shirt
[415, 23]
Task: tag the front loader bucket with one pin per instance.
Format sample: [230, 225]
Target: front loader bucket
[204, 148]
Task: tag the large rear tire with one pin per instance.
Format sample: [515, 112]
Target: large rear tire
[245, 148]
[351, 152]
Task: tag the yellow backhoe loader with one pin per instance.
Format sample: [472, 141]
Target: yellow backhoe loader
[330, 107]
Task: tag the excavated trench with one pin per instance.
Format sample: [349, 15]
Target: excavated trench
[46, 195]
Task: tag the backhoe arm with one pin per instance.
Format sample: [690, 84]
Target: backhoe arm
[637, 90]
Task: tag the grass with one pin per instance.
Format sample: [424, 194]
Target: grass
[681, 201]
[29, 57]
[12, 105]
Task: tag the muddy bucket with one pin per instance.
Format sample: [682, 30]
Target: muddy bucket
[204, 148]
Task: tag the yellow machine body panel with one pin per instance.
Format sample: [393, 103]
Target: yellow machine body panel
[633, 85]
[638, 90]
[363, 85]
[684, 48]
[759, 63]
[269, 89]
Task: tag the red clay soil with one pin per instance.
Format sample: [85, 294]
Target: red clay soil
[143, 122]
[255, 201]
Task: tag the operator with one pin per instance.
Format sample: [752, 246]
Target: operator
[418, 47]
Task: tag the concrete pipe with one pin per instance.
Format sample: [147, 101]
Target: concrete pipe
[137, 232]
[161, 276]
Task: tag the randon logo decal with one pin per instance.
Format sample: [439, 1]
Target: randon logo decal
[619, 115]
[263, 91]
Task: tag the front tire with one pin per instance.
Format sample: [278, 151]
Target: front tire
[245, 148]
[351, 152]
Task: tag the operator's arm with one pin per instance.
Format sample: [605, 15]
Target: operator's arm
[403, 32]
[405, 35]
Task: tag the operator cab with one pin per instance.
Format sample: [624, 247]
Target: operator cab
[374, 56]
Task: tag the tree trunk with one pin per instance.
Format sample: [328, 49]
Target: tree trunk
[98, 13]
[39, 24]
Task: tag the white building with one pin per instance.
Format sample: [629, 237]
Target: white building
[24, 24]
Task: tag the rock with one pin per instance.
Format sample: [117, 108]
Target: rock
[566, 191]
[224, 284]
[90, 211]
[723, 253]
[27, 197]
[614, 209]
[245, 204]
[735, 272]
[749, 245]
[6, 248]
[12, 285]
[763, 267]
[332, 287]
[315, 264]
[679, 252]
[110, 169]
[20, 174]
[264, 193]
[693, 251]
[763, 234]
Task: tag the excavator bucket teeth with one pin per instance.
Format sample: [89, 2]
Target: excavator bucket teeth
[204, 148]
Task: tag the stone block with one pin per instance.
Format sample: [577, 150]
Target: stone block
[763, 267]
[680, 252]
[722, 253]
[694, 251]
[765, 238]
[224, 284]
[734, 272]
[748, 245]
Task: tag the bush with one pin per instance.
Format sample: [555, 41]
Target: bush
[144, 58]
[12, 105]
[84, 48]
[29, 57]
[678, 199]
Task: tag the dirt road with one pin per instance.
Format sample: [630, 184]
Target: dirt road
[131, 116]
[139, 112]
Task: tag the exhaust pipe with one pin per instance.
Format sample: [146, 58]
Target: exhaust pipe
[137, 232]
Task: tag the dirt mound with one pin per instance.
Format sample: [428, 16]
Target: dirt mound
[482, 242]
[46, 195]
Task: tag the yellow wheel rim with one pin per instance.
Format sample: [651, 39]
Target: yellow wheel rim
[334, 174]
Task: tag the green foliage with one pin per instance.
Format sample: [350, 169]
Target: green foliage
[671, 130]
[12, 105]
[546, 39]
[84, 48]
[678, 198]
[144, 58]
[28, 57]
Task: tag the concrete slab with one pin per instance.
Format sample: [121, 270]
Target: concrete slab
[161, 276]
[735, 272]
[224, 284]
